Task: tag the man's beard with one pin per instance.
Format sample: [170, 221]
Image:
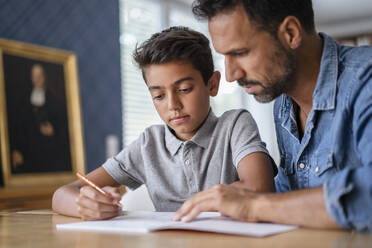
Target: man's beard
[279, 84]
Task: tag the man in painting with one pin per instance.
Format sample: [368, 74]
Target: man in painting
[40, 142]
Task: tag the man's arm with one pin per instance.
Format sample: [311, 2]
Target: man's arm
[303, 207]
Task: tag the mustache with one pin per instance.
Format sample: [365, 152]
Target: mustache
[245, 82]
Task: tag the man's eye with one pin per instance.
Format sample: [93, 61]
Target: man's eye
[240, 53]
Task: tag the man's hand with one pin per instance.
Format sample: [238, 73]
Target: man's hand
[238, 203]
[304, 207]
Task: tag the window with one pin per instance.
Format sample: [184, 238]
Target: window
[138, 20]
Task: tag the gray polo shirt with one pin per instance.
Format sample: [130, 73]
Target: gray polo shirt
[174, 170]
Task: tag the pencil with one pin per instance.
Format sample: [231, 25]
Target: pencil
[90, 183]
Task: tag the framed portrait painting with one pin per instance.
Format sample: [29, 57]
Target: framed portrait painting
[40, 116]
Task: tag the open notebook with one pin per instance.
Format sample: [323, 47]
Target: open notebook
[153, 221]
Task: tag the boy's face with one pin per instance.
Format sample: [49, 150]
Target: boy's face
[180, 96]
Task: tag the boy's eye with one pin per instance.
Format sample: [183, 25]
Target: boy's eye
[185, 90]
[157, 97]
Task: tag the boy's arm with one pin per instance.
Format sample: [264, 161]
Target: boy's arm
[249, 153]
[256, 173]
[79, 200]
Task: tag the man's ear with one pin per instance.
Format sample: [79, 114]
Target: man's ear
[290, 32]
[214, 83]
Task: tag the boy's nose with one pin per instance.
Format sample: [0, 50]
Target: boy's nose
[174, 103]
[233, 70]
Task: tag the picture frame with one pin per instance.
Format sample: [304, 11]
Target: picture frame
[41, 134]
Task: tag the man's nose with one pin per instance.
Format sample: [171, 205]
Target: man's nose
[233, 70]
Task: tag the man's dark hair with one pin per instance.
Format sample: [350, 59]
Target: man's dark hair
[266, 14]
[176, 44]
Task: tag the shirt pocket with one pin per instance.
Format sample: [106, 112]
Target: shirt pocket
[324, 164]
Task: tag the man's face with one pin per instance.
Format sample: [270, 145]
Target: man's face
[179, 95]
[37, 76]
[253, 57]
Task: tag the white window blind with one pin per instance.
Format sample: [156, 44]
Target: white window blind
[138, 20]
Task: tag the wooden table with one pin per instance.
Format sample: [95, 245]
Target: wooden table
[26, 198]
[38, 229]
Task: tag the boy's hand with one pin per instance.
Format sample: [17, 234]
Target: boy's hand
[235, 202]
[93, 205]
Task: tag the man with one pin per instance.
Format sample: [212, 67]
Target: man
[323, 115]
[40, 142]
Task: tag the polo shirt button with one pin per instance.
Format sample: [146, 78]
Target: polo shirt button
[317, 169]
[187, 162]
[302, 166]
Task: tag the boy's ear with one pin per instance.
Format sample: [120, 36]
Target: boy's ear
[214, 83]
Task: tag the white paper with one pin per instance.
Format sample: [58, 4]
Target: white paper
[153, 221]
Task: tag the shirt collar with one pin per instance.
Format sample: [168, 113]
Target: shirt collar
[171, 141]
[204, 133]
[201, 138]
[324, 95]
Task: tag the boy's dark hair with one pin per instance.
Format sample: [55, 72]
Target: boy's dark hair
[266, 14]
[176, 44]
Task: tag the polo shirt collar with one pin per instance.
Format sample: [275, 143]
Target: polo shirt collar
[204, 134]
[171, 141]
[201, 138]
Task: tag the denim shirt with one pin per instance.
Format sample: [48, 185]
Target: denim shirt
[336, 148]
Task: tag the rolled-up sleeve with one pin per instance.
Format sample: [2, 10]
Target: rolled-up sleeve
[348, 194]
[347, 201]
[348, 198]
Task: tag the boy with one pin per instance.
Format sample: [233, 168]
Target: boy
[193, 151]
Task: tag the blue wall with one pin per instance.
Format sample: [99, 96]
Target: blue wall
[90, 28]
